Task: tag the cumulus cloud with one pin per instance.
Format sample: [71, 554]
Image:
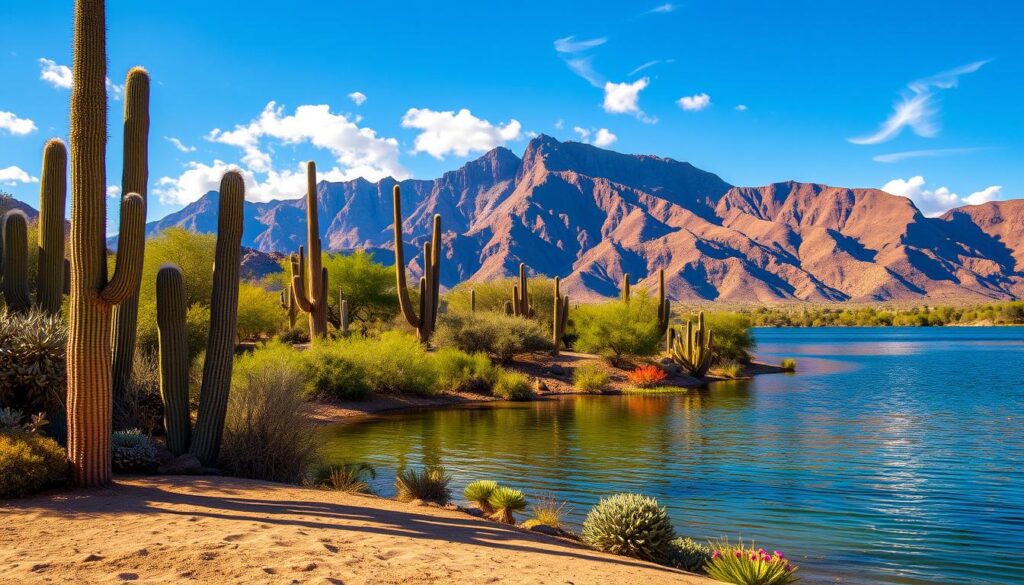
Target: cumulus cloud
[916, 108]
[15, 125]
[59, 76]
[457, 133]
[933, 202]
[602, 137]
[357, 97]
[113, 191]
[741, 107]
[179, 145]
[13, 175]
[694, 103]
[624, 98]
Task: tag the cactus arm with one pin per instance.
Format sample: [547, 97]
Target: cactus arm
[404, 301]
[15, 261]
[174, 358]
[427, 304]
[53, 190]
[435, 273]
[131, 244]
[299, 283]
[220, 347]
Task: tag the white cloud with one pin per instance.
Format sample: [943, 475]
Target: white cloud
[694, 103]
[899, 156]
[916, 108]
[113, 191]
[357, 97]
[624, 98]
[642, 67]
[571, 45]
[602, 137]
[15, 125]
[13, 175]
[179, 145]
[741, 107]
[560, 124]
[457, 133]
[582, 65]
[662, 9]
[933, 202]
[60, 77]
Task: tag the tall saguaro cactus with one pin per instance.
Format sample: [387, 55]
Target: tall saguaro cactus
[134, 178]
[430, 283]
[53, 189]
[625, 288]
[692, 348]
[522, 301]
[664, 310]
[15, 261]
[174, 359]
[309, 286]
[561, 318]
[220, 346]
[93, 295]
[288, 303]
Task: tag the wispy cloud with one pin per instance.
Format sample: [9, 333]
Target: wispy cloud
[909, 154]
[571, 51]
[916, 108]
[646, 65]
[571, 45]
[663, 8]
[179, 144]
[694, 103]
[16, 126]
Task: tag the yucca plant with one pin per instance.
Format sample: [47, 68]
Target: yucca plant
[479, 492]
[742, 565]
[631, 525]
[428, 485]
[505, 501]
[347, 477]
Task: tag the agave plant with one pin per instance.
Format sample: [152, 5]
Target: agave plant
[479, 492]
[504, 501]
[629, 524]
[428, 485]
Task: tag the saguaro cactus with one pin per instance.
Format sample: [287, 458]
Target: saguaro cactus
[15, 261]
[220, 346]
[522, 301]
[664, 310]
[430, 283]
[288, 303]
[53, 189]
[472, 300]
[93, 295]
[309, 286]
[561, 318]
[174, 358]
[692, 348]
[625, 288]
[134, 178]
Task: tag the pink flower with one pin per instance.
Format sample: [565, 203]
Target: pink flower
[738, 554]
[716, 554]
[778, 554]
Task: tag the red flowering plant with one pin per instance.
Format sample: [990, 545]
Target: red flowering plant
[646, 376]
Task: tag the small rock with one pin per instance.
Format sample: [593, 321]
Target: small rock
[186, 464]
[92, 558]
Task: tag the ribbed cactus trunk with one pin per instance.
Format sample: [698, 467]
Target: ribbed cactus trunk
[93, 296]
[134, 179]
[310, 284]
[15, 261]
[664, 311]
[53, 190]
[288, 302]
[220, 347]
[560, 319]
[174, 359]
[625, 292]
[522, 302]
[430, 292]
[343, 317]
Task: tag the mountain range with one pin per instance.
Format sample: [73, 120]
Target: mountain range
[590, 215]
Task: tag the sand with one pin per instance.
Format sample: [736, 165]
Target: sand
[227, 530]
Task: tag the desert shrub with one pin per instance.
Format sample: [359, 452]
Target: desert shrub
[272, 355]
[547, 511]
[646, 376]
[266, 434]
[742, 565]
[689, 555]
[590, 378]
[331, 374]
[132, 451]
[789, 364]
[298, 334]
[347, 477]
[33, 375]
[29, 462]
[498, 335]
[513, 386]
[505, 501]
[629, 524]
[394, 362]
[479, 492]
[460, 371]
[428, 485]
[733, 338]
[617, 330]
[259, 312]
[491, 297]
[729, 369]
[141, 407]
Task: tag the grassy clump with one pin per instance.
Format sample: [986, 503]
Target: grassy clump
[789, 364]
[499, 336]
[590, 378]
[428, 485]
[479, 492]
[729, 369]
[547, 511]
[743, 565]
[463, 372]
[347, 477]
[513, 386]
[29, 462]
[505, 501]
[656, 391]
[631, 525]
[689, 555]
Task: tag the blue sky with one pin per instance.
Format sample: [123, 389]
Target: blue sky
[919, 97]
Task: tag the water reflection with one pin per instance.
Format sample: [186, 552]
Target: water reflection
[868, 467]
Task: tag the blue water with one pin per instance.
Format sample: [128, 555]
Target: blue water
[893, 455]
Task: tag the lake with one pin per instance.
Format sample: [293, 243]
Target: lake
[894, 455]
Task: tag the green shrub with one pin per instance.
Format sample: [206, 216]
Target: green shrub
[491, 297]
[513, 386]
[330, 374]
[394, 362]
[259, 312]
[590, 378]
[29, 462]
[744, 565]
[733, 338]
[689, 555]
[629, 524]
[273, 355]
[617, 330]
[729, 369]
[789, 364]
[498, 335]
[479, 492]
[266, 434]
[32, 368]
[347, 477]
[299, 334]
[505, 501]
[460, 371]
[132, 451]
[428, 485]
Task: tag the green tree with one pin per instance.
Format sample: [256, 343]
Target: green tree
[617, 329]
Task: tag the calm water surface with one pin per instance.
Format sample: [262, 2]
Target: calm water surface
[893, 456]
